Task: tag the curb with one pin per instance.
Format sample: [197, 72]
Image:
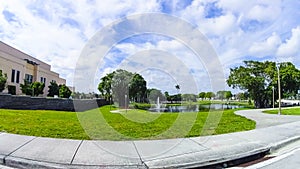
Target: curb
[275, 147]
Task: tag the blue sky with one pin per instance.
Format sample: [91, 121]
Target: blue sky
[57, 31]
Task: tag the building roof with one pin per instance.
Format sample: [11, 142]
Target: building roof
[5, 48]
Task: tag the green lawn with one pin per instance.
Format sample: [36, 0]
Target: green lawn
[289, 111]
[56, 124]
[127, 125]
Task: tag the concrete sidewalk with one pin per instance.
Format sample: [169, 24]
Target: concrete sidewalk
[266, 120]
[37, 152]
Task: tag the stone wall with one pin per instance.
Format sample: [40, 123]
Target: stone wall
[8, 101]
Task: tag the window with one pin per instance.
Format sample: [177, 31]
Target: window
[53, 81]
[13, 75]
[43, 80]
[28, 78]
[18, 77]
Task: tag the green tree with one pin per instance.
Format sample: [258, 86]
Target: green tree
[221, 94]
[137, 88]
[53, 89]
[258, 78]
[167, 95]
[189, 97]
[3, 79]
[26, 88]
[32, 89]
[105, 86]
[177, 87]
[37, 88]
[290, 79]
[120, 83]
[228, 95]
[255, 77]
[120, 87]
[209, 95]
[64, 91]
[202, 95]
[153, 94]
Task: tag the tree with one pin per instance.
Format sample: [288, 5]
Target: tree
[120, 87]
[258, 78]
[26, 88]
[221, 95]
[209, 95]
[241, 96]
[120, 83]
[154, 94]
[3, 79]
[53, 89]
[228, 95]
[189, 97]
[290, 79]
[167, 95]
[224, 95]
[32, 89]
[37, 88]
[202, 95]
[64, 91]
[177, 87]
[105, 86]
[137, 88]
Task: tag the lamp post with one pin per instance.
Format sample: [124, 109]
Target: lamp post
[279, 90]
[273, 97]
[126, 103]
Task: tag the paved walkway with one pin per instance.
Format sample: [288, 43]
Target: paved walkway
[266, 120]
[38, 152]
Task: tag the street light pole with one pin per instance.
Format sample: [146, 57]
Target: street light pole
[279, 90]
[126, 103]
[273, 97]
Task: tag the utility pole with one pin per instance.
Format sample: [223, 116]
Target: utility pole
[279, 90]
[273, 97]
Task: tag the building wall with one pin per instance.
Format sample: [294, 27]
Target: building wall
[22, 64]
[37, 103]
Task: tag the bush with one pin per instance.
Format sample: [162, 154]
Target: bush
[11, 89]
[3, 79]
[142, 106]
[64, 91]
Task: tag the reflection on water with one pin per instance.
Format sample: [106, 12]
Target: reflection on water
[195, 108]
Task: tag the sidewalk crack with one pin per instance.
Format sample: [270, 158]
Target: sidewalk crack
[76, 152]
[139, 155]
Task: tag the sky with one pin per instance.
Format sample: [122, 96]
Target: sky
[90, 38]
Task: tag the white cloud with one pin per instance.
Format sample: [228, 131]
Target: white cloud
[56, 32]
[291, 47]
[264, 12]
[219, 26]
[267, 47]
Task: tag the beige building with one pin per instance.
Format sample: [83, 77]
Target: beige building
[20, 66]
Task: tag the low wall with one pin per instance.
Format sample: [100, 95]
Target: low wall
[8, 101]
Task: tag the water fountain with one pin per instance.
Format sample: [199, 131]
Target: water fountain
[157, 104]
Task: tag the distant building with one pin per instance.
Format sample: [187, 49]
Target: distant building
[20, 66]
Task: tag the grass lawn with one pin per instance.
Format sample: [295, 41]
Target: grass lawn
[56, 124]
[289, 111]
[126, 125]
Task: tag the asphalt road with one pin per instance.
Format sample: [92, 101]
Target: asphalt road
[287, 157]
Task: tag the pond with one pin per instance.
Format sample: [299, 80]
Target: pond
[194, 108]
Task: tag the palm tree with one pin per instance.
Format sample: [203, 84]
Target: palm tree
[178, 95]
[177, 87]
